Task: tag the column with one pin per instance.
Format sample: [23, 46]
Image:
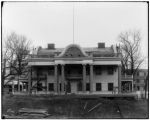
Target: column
[56, 79]
[84, 78]
[119, 78]
[91, 78]
[62, 78]
[29, 82]
[22, 86]
[46, 84]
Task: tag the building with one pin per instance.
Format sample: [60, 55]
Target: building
[75, 70]
[140, 79]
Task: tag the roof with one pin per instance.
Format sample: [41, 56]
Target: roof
[97, 52]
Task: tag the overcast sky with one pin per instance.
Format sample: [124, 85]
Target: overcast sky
[51, 22]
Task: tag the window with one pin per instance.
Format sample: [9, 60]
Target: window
[138, 87]
[110, 86]
[98, 71]
[51, 86]
[50, 72]
[79, 86]
[79, 71]
[39, 86]
[98, 87]
[64, 87]
[142, 81]
[110, 70]
[87, 71]
[141, 73]
[60, 86]
[137, 80]
[87, 86]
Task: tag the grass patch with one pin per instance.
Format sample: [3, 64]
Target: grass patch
[73, 107]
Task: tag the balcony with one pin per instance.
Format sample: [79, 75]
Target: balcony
[74, 76]
[40, 77]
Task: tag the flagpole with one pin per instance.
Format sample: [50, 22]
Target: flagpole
[73, 22]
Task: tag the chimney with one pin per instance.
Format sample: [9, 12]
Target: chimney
[51, 46]
[101, 45]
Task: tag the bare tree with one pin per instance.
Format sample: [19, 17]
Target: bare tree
[130, 49]
[15, 52]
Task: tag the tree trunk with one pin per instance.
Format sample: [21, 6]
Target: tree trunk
[18, 84]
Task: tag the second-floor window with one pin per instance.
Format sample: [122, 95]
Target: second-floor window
[50, 72]
[110, 70]
[141, 74]
[98, 71]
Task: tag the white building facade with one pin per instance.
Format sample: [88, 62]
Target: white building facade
[75, 70]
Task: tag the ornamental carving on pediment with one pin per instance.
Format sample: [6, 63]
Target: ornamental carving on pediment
[73, 51]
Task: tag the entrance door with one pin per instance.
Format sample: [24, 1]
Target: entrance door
[73, 87]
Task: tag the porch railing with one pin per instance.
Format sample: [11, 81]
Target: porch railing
[73, 76]
[40, 77]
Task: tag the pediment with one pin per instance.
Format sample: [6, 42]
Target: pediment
[73, 51]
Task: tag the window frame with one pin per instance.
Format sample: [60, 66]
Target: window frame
[87, 86]
[110, 87]
[110, 70]
[98, 88]
[52, 89]
[98, 70]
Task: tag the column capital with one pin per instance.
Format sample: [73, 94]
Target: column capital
[91, 64]
[62, 64]
[83, 64]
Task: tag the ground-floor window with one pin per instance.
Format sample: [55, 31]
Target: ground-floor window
[39, 86]
[79, 86]
[51, 86]
[64, 87]
[138, 87]
[98, 87]
[87, 86]
[60, 86]
[110, 86]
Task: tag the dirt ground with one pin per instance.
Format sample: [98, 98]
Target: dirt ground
[76, 107]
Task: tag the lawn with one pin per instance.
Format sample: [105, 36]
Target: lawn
[78, 107]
